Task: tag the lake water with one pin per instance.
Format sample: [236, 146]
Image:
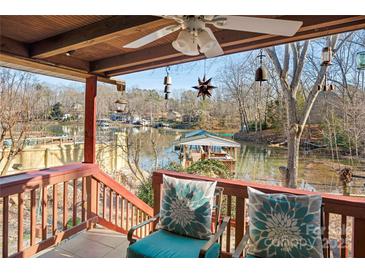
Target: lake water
[255, 162]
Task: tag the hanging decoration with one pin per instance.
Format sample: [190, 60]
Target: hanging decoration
[204, 86]
[121, 105]
[360, 64]
[327, 55]
[167, 82]
[261, 72]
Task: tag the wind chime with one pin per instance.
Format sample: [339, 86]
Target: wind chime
[167, 82]
[204, 86]
[261, 72]
[326, 61]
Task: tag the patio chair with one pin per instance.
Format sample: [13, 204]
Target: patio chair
[166, 243]
[283, 226]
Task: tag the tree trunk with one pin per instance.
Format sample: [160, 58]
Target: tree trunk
[293, 159]
[6, 167]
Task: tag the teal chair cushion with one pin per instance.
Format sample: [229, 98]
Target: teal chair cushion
[164, 244]
[248, 255]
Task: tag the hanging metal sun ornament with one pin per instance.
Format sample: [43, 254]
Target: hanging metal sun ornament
[167, 82]
[204, 86]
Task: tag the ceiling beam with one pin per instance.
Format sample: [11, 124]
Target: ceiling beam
[46, 68]
[88, 35]
[16, 48]
[234, 48]
[231, 42]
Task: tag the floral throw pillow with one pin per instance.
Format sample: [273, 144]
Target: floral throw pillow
[186, 207]
[284, 226]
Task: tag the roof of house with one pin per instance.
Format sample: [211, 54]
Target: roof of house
[207, 140]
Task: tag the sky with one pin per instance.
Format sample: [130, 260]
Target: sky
[184, 76]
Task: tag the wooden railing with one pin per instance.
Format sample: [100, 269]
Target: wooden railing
[344, 216]
[117, 208]
[47, 206]
[50, 205]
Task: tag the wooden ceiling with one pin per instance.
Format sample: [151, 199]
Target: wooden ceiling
[39, 43]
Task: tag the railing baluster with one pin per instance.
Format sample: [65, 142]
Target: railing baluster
[104, 201]
[127, 215]
[240, 220]
[83, 199]
[229, 213]
[116, 208]
[20, 220]
[98, 193]
[137, 222]
[110, 204]
[44, 213]
[343, 236]
[5, 226]
[132, 215]
[121, 211]
[74, 203]
[65, 207]
[33, 216]
[144, 227]
[54, 210]
[326, 246]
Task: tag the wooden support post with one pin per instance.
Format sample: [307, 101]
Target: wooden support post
[157, 187]
[90, 142]
[90, 120]
[358, 236]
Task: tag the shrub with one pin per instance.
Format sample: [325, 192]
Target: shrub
[145, 192]
[211, 168]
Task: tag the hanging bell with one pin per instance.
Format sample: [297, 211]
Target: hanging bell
[261, 74]
[167, 89]
[167, 80]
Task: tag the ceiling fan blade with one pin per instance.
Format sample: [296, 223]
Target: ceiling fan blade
[260, 25]
[149, 38]
[216, 50]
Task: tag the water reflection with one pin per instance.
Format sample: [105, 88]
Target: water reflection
[255, 162]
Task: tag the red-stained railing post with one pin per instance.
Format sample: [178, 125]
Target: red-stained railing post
[90, 141]
[358, 238]
[157, 186]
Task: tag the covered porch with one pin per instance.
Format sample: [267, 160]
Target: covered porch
[89, 49]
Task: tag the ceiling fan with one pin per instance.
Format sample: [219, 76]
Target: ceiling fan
[196, 37]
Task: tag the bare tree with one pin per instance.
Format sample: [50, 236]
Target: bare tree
[234, 80]
[289, 71]
[17, 100]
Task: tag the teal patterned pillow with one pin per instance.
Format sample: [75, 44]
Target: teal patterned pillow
[284, 226]
[186, 207]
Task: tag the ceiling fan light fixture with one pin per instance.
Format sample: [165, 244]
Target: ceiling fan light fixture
[185, 43]
[205, 41]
